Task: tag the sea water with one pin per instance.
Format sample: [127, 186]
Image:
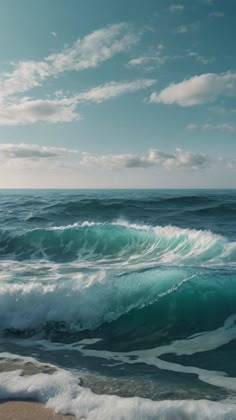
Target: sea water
[119, 304]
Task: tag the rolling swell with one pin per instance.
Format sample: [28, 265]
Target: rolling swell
[139, 308]
[121, 278]
[118, 242]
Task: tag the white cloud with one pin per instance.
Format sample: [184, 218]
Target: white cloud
[115, 161]
[150, 61]
[94, 48]
[225, 127]
[30, 155]
[113, 89]
[27, 75]
[64, 109]
[34, 156]
[143, 60]
[197, 90]
[176, 8]
[179, 160]
[155, 59]
[87, 52]
[38, 110]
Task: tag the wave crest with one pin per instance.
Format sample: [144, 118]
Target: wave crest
[118, 242]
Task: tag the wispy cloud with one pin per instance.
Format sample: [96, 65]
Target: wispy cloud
[197, 90]
[225, 127]
[113, 89]
[64, 109]
[155, 58]
[27, 75]
[87, 52]
[93, 49]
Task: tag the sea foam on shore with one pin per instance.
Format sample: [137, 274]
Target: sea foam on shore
[62, 392]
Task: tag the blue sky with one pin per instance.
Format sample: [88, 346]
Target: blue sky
[117, 94]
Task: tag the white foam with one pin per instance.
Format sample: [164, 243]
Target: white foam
[145, 245]
[61, 391]
[203, 342]
[199, 343]
[178, 245]
[84, 300]
[72, 226]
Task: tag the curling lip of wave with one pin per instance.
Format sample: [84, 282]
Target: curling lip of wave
[120, 243]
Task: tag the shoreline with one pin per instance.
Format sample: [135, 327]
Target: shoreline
[28, 410]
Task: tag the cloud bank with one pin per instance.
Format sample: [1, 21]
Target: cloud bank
[35, 155]
[179, 160]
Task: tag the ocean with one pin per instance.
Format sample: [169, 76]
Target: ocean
[119, 304]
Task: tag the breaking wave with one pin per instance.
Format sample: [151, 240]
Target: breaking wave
[118, 242]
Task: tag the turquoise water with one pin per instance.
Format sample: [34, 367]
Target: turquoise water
[132, 291]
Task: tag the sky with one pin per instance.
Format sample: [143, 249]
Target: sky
[117, 94]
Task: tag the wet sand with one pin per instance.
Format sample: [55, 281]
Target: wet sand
[28, 410]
